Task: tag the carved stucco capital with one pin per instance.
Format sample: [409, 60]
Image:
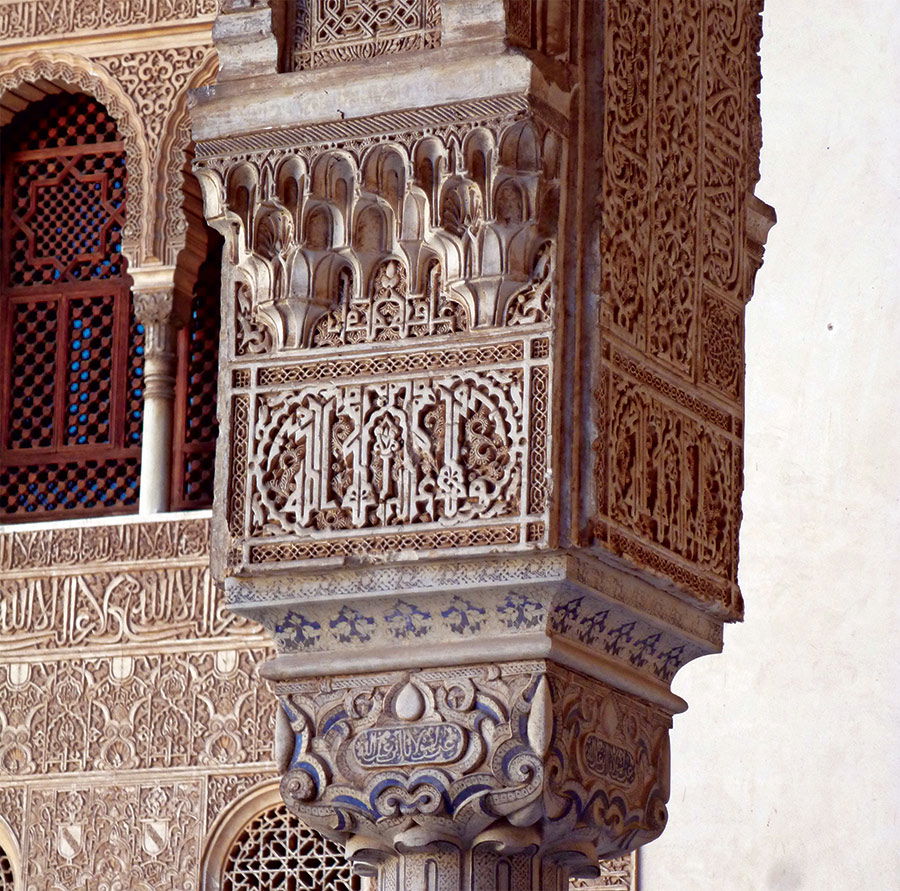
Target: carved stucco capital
[156, 308]
[524, 759]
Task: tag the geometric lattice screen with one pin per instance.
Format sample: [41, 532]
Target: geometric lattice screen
[195, 425]
[6, 873]
[274, 851]
[70, 351]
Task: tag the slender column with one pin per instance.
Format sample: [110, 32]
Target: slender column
[154, 306]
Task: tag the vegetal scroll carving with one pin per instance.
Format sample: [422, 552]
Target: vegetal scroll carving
[409, 451]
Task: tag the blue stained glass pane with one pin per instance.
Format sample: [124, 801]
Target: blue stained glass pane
[82, 439]
[76, 323]
[140, 328]
[73, 388]
[72, 429]
[139, 350]
[139, 372]
[83, 397]
[82, 419]
[138, 393]
[84, 375]
[86, 332]
[136, 415]
[76, 345]
[76, 366]
[85, 354]
[73, 409]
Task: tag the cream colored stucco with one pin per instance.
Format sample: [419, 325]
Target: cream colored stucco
[785, 769]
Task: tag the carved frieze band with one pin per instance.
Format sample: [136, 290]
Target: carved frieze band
[141, 584]
[21, 20]
[25, 551]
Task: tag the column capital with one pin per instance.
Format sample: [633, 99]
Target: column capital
[524, 759]
[157, 309]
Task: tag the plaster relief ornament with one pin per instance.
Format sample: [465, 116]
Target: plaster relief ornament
[481, 385]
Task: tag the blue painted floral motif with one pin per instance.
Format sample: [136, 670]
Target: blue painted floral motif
[616, 637]
[407, 619]
[566, 614]
[304, 632]
[468, 617]
[643, 647]
[351, 623]
[669, 662]
[592, 627]
[520, 611]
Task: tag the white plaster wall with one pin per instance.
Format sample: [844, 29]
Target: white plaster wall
[785, 769]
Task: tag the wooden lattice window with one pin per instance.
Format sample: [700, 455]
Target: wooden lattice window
[195, 390]
[70, 350]
[275, 850]
[7, 881]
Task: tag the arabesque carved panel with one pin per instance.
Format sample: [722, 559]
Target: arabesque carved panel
[679, 164]
[436, 450]
[93, 837]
